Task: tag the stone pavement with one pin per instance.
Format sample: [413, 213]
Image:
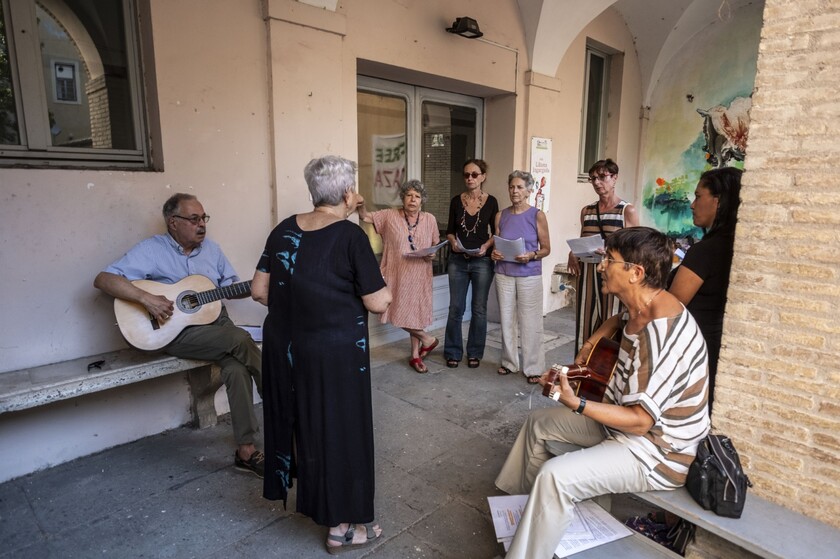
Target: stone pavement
[440, 441]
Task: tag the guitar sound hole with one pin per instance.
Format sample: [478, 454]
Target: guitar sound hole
[188, 302]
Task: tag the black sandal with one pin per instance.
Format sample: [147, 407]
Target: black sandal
[533, 380]
[346, 540]
[504, 370]
[452, 363]
[473, 362]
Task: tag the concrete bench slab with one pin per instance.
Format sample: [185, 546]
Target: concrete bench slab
[38, 386]
[765, 529]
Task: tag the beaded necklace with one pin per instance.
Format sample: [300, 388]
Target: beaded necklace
[411, 229]
[407, 224]
[474, 228]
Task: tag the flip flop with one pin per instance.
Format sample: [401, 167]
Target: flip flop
[426, 350]
[504, 370]
[418, 365]
[346, 540]
[533, 380]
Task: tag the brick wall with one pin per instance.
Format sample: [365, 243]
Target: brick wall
[778, 387]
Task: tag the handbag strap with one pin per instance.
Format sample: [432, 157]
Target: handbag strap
[730, 466]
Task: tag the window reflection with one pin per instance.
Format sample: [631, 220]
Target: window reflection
[86, 77]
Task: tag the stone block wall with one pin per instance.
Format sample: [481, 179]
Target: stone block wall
[778, 386]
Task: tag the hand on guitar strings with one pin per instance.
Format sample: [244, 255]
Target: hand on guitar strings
[158, 306]
[561, 390]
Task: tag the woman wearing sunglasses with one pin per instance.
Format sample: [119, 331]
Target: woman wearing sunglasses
[472, 224]
[606, 216]
[405, 230]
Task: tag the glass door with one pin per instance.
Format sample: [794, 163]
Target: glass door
[407, 132]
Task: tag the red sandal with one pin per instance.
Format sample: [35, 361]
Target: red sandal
[418, 365]
[426, 350]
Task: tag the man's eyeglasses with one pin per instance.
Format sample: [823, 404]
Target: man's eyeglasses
[194, 219]
[473, 175]
[411, 242]
[601, 178]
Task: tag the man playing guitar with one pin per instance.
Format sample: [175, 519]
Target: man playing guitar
[168, 258]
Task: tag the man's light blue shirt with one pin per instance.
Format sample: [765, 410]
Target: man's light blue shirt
[162, 259]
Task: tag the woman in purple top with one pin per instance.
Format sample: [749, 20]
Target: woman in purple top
[519, 283]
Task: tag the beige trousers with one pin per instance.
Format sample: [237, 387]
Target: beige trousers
[600, 466]
[521, 310]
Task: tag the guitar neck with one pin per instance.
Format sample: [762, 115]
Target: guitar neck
[231, 291]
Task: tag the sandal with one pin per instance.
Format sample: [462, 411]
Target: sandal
[452, 363]
[504, 370]
[533, 380]
[418, 365]
[426, 350]
[346, 540]
[473, 362]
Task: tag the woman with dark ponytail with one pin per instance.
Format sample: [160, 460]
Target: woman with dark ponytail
[702, 279]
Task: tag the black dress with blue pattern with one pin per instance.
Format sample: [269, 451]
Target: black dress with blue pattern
[316, 370]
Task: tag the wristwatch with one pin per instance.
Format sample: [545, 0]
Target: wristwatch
[582, 405]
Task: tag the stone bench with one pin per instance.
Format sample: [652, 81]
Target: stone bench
[634, 546]
[38, 386]
[765, 529]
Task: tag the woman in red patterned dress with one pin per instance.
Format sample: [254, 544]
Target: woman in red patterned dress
[406, 230]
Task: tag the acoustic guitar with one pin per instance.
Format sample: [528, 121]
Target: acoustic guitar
[591, 379]
[196, 299]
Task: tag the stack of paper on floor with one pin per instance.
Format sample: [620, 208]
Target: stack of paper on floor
[592, 526]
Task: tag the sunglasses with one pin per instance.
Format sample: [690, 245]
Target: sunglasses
[473, 175]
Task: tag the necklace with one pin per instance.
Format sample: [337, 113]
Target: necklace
[465, 200]
[416, 221]
[649, 301]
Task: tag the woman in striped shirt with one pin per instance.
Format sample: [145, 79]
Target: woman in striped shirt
[604, 217]
[645, 432]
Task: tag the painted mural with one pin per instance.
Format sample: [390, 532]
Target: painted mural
[699, 119]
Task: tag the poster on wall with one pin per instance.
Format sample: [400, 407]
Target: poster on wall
[388, 168]
[541, 171]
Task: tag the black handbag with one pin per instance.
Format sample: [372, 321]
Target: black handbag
[715, 478]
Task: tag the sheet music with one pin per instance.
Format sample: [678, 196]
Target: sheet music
[585, 248]
[510, 249]
[462, 248]
[421, 252]
[591, 526]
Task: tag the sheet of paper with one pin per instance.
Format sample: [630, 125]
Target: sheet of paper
[462, 248]
[585, 247]
[601, 524]
[591, 526]
[510, 249]
[421, 252]
[506, 510]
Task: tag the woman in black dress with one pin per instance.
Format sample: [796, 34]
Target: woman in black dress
[701, 281]
[319, 278]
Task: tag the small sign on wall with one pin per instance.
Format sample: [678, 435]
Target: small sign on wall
[541, 171]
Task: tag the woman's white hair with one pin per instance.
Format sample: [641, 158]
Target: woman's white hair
[525, 176]
[329, 178]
